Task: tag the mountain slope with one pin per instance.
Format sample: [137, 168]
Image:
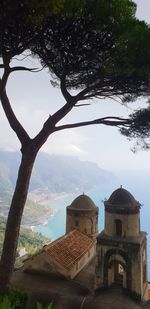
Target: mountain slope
[52, 173]
[52, 176]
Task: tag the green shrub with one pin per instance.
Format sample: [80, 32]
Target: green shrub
[49, 306]
[14, 299]
[5, 303]
[39, 306]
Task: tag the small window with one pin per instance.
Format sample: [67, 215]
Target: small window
[76, 223]
[118, 224]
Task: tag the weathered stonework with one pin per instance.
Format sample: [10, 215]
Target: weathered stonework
[122, 247]
[82, 214]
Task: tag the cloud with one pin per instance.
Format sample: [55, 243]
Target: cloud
[66, 143]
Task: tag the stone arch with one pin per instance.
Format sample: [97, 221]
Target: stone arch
[118, 275]
[120, 262]
[126, 265]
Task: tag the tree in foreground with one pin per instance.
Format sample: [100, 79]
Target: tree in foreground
[99, 50]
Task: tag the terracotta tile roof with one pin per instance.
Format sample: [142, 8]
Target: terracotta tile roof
[68, 249]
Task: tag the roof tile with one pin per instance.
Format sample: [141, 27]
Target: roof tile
[68, 249]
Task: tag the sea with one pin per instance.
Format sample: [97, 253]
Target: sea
[137, 183]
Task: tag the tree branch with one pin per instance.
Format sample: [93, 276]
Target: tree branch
[81, 95]
[13, 121]
[109, 121]
[79, 105]
[64, 90]
[20, 68]
[25, 56]
[6, 67]
[49, 125]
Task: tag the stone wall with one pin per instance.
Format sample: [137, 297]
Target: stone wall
[130, 224]
[85, 221]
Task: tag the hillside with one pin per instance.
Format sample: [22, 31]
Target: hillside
[29, 240]
[53, 173]
[52, 177]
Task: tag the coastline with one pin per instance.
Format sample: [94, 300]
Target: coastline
[55, 202]
[46, 198]
[55, 225]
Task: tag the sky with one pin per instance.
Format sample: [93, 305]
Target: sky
[33, 99]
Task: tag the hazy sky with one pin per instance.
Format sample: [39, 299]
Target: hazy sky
[33, 99]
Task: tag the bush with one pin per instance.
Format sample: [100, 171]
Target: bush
[49, 306]
[39, 306]
[14, 299]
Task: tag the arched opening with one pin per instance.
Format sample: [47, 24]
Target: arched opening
[118, 226]
[117, 268]
[75, 221]
[118, 273]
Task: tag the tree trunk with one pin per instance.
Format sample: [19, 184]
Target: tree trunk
[14, 219]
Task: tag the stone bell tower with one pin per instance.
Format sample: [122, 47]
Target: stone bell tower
[122, 246]
[82, 214]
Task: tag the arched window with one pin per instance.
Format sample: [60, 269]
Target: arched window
[118, 225]
[76, 223]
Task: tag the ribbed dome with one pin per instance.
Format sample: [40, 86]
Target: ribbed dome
[82, 202]
[122, 200]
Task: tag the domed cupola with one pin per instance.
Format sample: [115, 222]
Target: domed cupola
[82, 214]
[121, 201]
[82, 203]
[122, 214]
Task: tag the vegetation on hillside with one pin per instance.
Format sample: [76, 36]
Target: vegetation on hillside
[28, 239]
[34, 212]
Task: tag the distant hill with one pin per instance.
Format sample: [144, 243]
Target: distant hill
[54, 173]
